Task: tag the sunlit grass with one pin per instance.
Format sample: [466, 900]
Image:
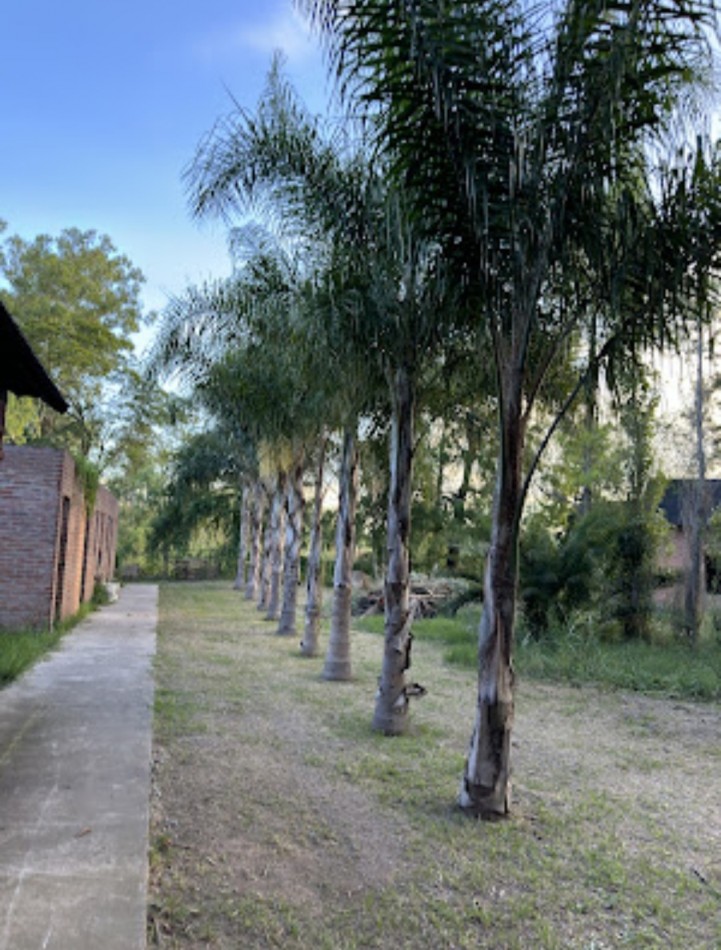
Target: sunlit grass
[576, 655]
[669, 669]
[289, 822]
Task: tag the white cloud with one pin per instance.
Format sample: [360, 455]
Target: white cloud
[287, 31]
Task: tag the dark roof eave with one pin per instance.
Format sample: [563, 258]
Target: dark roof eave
[21, 372]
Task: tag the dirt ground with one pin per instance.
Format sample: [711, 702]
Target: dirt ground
[279, 819]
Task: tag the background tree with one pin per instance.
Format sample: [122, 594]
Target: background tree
[145, 429]
[567, 545]
[637, 539]
[590, 545]
[76, 298]
[198, 514]
[700, 198]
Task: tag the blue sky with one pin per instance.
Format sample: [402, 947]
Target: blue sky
[103, 103]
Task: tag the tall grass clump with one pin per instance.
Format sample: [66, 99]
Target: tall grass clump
[20, 649]
[577, 653]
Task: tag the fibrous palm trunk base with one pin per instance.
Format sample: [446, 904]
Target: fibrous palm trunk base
[338, 661]
[486, 785]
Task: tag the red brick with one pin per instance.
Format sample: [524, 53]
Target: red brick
[34, 482]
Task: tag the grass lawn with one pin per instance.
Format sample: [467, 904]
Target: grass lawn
[279, 819]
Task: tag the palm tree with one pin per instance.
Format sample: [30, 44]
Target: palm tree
[509, 125]
[386, 291]
[234, 340]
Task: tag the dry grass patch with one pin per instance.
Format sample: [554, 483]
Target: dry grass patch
[280, 819]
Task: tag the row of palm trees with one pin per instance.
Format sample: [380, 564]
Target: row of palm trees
[498, 206]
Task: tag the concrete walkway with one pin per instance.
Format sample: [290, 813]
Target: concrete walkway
[75, 741]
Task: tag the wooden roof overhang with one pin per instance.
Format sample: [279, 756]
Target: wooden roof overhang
[21, 372]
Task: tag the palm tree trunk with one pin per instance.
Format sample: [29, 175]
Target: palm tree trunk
[694, 580]
[293, 537]
[266, 569]
[486, 784]
[255, 568]
[241, 576]
[590, 421]
[391, 709]
[277, 519]
[337, 661]
[314, 586]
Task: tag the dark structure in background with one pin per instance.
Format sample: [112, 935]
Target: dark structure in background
[21, 371]
[674, 499]
[676, 508]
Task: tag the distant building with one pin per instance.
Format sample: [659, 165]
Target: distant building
[51, 551]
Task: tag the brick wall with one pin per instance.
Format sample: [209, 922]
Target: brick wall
[48, 562]
[70, 550]
[29, 480]
[100, 542]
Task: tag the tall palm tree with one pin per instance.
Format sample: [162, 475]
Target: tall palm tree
[509, 123]
[386, 292]
[241, 343]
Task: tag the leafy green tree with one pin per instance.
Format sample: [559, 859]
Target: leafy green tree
[76, 298]
[373, 497]
[592, 543]
[637, 540]
[197, 514]
[559, 571]
[455, 468]
[142, 417]
[140, 496]
[568, 543]
[587, 466]
[146, 425]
